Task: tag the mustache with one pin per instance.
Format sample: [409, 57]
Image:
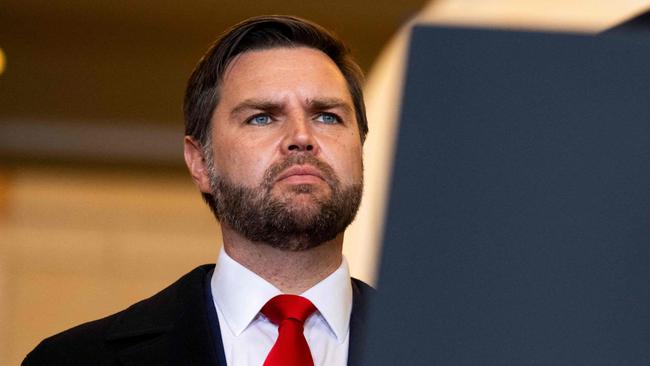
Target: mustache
[276, 169]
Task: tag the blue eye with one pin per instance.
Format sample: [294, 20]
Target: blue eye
[260, 120]
[328, 118]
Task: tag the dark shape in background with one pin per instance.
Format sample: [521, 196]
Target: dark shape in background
[639, 25]
[518, 230]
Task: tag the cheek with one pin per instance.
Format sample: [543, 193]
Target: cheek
[357, 165]
[348, 163]
[240, 162]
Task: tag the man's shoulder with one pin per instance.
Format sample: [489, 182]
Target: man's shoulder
[362, 287]
[96, 342]
[362, 300]
[362, 295]
[73, 345]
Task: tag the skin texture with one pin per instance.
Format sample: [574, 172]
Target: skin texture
[277, 103]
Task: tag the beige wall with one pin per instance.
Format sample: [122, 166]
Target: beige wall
[76, 245]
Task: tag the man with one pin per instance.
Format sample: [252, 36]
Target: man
[275, 123]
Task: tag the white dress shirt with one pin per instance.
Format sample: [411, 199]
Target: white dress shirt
[248, 336]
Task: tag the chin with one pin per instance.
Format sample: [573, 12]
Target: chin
[305, 195]
[304, 213]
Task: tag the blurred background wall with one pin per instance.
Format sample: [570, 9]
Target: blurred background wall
[96, 209]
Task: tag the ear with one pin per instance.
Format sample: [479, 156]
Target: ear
[196, 164]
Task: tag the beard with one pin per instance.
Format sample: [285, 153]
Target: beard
[278, 221]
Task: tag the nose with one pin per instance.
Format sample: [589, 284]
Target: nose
[299, 137]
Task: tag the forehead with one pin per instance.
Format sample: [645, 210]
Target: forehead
[275, 71]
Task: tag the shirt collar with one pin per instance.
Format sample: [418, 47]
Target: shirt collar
[239, 294]
[333, 299]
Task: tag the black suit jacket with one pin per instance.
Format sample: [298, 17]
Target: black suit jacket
[177, 326]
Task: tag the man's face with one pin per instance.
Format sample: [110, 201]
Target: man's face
[286, 163]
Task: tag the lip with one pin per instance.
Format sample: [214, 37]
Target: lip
[300, 172]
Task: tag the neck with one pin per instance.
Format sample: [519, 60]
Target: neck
[292, 272]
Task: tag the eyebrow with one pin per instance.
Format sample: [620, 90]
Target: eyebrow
[274, 106]
[329, 103]
[257, 104]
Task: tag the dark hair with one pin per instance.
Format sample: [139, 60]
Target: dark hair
[259, 33]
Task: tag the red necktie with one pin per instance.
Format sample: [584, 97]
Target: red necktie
[289, 312]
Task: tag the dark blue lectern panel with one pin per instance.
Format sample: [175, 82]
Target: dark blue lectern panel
[518, 230]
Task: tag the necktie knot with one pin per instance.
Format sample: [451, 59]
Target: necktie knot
[289, 312]
[284, 307]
